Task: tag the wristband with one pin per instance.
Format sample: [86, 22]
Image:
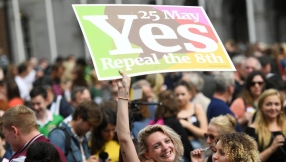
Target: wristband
[123, 98]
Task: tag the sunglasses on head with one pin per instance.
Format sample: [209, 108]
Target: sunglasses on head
[212, 137]
[254, 83]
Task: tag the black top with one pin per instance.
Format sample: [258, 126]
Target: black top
[279, 154]
[210, 159]
[193, 120]
[178, 128]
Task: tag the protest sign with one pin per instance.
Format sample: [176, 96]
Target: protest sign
[145, 39]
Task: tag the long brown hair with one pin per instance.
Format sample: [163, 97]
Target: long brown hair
[264, 135]
[245, 93]
[168, 107]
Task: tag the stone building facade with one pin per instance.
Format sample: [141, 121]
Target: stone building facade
[228, 17]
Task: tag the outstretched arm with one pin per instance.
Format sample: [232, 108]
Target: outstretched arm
[122, 125]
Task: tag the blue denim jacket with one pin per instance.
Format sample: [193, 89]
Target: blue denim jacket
[58, 138]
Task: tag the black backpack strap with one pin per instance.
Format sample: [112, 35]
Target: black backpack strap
[68, 139]
[245, 105]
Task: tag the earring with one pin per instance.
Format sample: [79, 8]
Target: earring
[150, 160]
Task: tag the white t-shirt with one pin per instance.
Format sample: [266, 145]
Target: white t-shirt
[30, 78]
[23, 88]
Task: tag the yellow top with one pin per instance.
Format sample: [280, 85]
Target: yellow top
[112, 148]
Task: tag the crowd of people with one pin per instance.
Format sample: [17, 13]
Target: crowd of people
[61, 112]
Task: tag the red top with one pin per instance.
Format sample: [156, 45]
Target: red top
[38, 138]
[15, 102]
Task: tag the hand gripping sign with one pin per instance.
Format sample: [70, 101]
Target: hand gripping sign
[145, 39]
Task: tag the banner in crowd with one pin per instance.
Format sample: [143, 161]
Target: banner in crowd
[145, 39]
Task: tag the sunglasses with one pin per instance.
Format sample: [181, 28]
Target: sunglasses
[212, 137]
[254, 83]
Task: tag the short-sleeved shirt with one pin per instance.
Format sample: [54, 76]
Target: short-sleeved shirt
[218, 107]
[51, 122]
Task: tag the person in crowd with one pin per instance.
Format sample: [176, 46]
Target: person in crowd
[23, 71]
[171, 79]
[217, 126]
[113, 90]
[46, 120]
[245, 105]
[42, 152]
[2, 147]
[79, 95]
[239, 75]
[78, 77]
[103, 138]
[155, 142]
[166, 114]
[231, 47]
[277, 82]
[86, 116]
[232, 147]
[223, 93]
[266, 62]
[58, 105]
[43, 67]
[12, 71]
[192, 116]
[198, 83]
[251, 64]
[95, 88]
[269, 127]
[31, 76]
[13, 93]
[57, 71]
[209, 88]
[145, 113]
[4, 104]
[19, 126]
[68, 64]
[157, 83]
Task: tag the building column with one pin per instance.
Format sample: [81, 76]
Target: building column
[19, 55]
[51, 30]
[251, 21]
[202, 3]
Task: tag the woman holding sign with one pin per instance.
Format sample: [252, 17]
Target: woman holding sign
[156, 143]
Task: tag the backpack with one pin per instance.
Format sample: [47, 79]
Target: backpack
[68, 139]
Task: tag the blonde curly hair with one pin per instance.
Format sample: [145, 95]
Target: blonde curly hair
[239, 147]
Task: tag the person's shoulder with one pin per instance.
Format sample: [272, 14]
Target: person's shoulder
[57, 131]
[217, 104]
[58, 118]
[250, 130]
[171, 121]
[253, 126]
[64, 101]
[19, 159]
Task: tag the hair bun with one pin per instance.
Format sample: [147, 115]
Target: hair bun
[232, 120]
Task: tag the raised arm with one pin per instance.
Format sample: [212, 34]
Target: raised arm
[122, 125]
